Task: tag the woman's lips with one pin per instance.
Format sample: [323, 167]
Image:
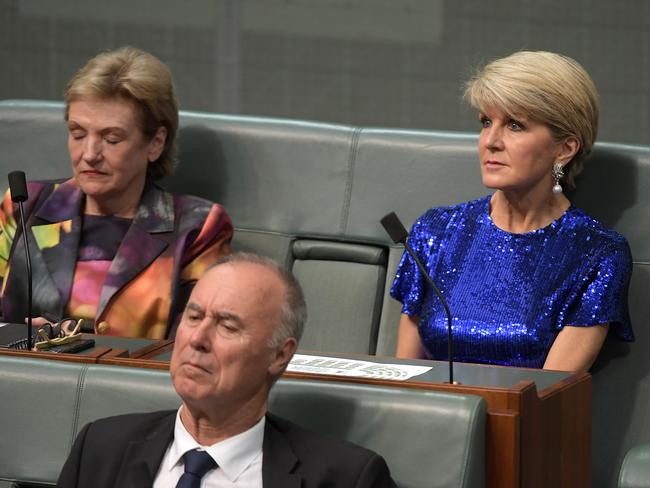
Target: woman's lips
[491, 164]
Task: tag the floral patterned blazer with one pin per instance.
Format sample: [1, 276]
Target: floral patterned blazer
[170, 242]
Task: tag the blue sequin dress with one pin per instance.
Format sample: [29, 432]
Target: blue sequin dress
[510, 294]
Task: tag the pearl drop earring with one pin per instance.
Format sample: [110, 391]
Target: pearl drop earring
[558, 173]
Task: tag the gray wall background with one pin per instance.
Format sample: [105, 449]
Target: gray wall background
[395, 63]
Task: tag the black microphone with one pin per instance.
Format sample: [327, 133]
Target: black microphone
[18, 186]
[394, 228]
[18, 189]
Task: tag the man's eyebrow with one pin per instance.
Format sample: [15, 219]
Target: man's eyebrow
[194, 307]
[229, 316]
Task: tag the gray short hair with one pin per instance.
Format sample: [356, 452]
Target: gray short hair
[294, 310]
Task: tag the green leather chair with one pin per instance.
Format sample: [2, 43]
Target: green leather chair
[635, 471]
[311, 195]
[429, 439]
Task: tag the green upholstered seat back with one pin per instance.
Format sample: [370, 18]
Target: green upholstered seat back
[285, 182]
[45, 404]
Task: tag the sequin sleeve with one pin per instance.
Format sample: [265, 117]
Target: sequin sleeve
[602, 297]
[425, 238]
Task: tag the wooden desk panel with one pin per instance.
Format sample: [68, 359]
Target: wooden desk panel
[93, 355]
[106, 347]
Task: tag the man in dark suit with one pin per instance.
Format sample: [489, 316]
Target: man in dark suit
[239, 331]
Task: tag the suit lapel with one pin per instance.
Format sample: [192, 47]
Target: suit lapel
[55, 229]
[140, 247]
[142, 458]
[279, 461]
[57, 245]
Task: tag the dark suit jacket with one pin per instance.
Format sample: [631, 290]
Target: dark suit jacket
[127, 450]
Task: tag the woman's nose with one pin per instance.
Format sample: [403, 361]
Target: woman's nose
[92, 149]
[493, 138]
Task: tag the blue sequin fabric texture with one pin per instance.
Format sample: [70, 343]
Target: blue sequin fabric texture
[510, 294]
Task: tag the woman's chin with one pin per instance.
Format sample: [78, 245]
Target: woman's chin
[92, 186]
[493, 183]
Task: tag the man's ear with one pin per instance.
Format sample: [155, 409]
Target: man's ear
[282, 356]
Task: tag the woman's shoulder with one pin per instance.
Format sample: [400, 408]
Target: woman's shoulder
[437, 216]
[592, 231]
[185, 201]
[35, 187]
[194, 208]
[581, 222]
[37, 191]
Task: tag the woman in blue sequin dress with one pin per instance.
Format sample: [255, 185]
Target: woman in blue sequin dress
[531, 280]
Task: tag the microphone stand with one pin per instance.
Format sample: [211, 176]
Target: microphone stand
[398, 234]
[18, 190]
[450, 344]
[28, 260]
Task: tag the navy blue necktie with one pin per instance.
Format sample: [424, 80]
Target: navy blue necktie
[197, 463]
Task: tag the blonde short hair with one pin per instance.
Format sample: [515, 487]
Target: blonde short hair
[135, 75]
[546, 87]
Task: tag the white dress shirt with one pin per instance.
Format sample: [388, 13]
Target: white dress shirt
[239, 458]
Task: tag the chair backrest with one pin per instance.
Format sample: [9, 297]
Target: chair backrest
[310, 195]
[428, 438]
[635, 470]
[616, 189]
[46, 403]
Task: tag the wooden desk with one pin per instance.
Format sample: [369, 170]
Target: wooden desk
[126, 347]
[89, 356]
[105, 347]
[538, 423]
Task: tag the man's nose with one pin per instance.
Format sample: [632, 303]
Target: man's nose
[201, 339]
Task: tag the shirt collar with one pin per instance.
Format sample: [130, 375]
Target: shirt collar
[233, 455]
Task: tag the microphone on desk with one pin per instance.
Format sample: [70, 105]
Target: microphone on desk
[397, 232]
[18, 190]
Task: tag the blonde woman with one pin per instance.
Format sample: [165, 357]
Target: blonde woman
[532, 281]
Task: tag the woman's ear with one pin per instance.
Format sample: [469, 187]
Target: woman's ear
[157, 143]
[568, 148]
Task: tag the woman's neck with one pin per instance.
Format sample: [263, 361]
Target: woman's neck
[521, 213]
[119, 204]
[117, 208]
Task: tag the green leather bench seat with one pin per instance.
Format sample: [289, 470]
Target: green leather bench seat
[635, 471]
[284, 182]
[429, 439]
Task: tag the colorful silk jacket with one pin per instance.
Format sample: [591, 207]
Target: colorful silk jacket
[171, 241]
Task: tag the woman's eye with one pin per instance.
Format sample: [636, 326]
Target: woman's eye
[485, 122]
[111, 140]
[76, 135]
[515, 126]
